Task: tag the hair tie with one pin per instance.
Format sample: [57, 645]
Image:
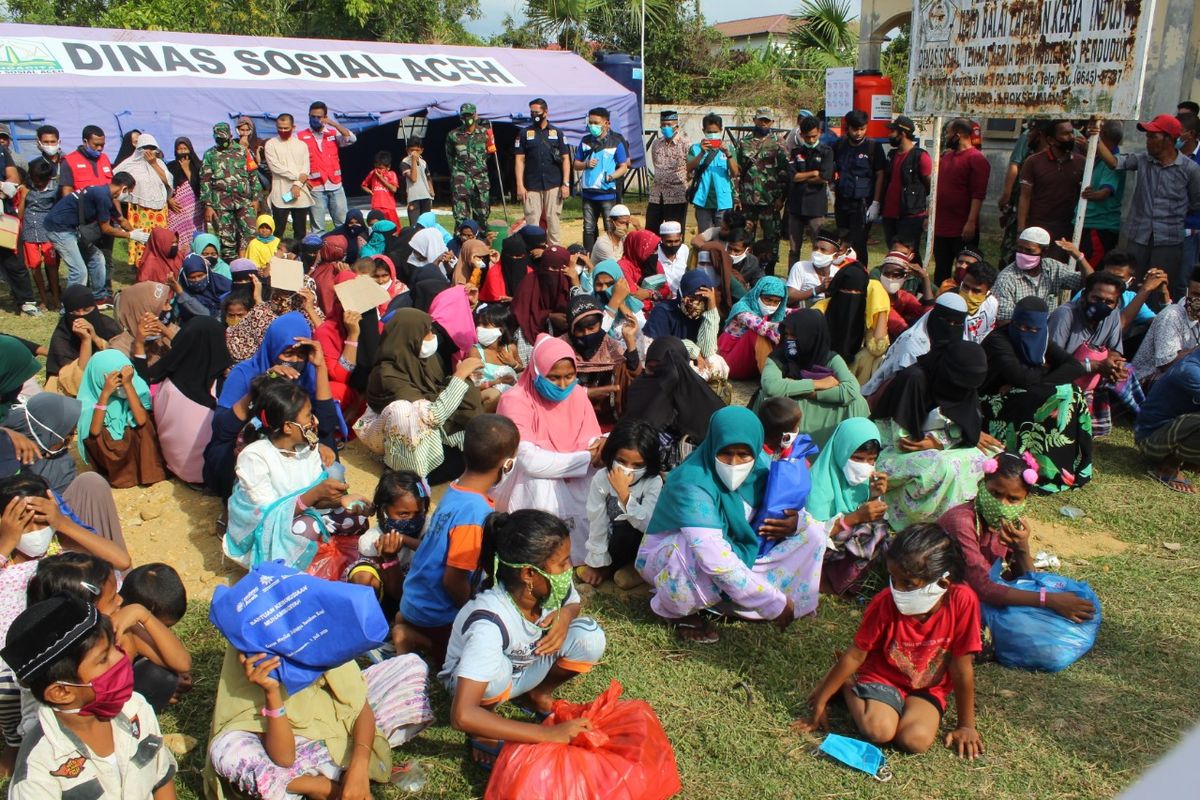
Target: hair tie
[422, 489]
[1031, 474]
[990, 466]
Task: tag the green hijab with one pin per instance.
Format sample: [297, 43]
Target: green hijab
[17, 365]
[694, 496]
[118, 416]
[203, 240]
[831, 493]
[613, 270]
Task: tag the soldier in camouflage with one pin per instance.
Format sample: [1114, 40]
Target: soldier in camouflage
[228, 191]
[467, 155]
[765, 180]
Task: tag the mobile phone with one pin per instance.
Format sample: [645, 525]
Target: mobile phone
[288, 197]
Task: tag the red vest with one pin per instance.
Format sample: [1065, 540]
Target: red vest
[324, 165]
[85, 172]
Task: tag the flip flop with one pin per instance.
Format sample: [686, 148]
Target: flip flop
[1172, 483]
[482, 747]
[710, 636]
[537, 716]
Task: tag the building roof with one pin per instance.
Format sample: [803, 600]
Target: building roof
[754, 26]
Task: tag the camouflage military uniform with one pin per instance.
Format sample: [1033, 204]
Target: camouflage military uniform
[763, 188]
[230, 189]
[470, 187]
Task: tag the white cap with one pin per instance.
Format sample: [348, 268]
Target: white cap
[1036, 236]
[952, 300]
[146, 140]
[669, 228]
[619, 210]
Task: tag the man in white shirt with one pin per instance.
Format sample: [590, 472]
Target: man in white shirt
[672, 254]
[808, 280]
[287, 158]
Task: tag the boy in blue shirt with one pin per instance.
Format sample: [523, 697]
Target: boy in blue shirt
[444, 573]
[603, 158]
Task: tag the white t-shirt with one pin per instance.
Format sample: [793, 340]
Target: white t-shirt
[674, 268]
[479, 653]
[266, 473]
[803, 277]
[419, 189]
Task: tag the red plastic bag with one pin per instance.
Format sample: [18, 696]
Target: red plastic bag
[626, 756]
[332, 557]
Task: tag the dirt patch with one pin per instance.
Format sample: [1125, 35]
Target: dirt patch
[1069, 541]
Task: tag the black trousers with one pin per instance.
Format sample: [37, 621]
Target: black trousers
[852, 215]
[623, 544]
[945, 250]
[17, 276]
[910, 229]
[299, 221]
[658, 213]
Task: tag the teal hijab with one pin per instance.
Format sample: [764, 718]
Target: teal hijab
[831, 493]
[429, 220]
[203, 240]
[695, 497]
[377, 244]
[749, 303]
[613, 270]
[17, 365]
[118, 416]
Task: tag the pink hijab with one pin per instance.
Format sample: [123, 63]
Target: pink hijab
[452, 310]
[564, 427]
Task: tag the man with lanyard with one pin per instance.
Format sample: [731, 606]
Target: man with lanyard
[601, 157]
[1167, 191]
[858, 188]
[668, 187]
[763, 187]
[229, 193]
[324, 136]
[543, 171]
[905, 185]
[467, 157]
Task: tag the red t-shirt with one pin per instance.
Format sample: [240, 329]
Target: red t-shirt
[912, 655]
[891, 194]
[962, 177]
[906, 309]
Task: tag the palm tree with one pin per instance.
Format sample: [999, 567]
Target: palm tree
[573, 22]
[563, 20]
[825, 35]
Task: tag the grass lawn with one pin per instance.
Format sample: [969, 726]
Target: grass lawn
[1084, 733]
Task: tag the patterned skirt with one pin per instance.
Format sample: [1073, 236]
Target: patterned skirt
[1050, 422]
[146, 219]
[188, 220]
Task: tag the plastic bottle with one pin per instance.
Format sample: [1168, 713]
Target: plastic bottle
[409, 776]
[337, 471]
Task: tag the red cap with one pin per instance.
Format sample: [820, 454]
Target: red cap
[1163, 123]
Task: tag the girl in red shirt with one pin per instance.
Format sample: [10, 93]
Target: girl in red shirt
[915, 647]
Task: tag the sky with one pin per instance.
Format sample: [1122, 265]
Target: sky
[492, 20]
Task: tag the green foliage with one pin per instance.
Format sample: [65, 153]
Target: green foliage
[825, 35]
[894, 63]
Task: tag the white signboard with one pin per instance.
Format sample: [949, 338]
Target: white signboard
[1016, 58]
[839, 92]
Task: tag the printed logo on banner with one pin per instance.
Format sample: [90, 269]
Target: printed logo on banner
[27, 57]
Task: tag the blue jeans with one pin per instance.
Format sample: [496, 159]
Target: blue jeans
[594, 212]
[85, 265]
[331, 202]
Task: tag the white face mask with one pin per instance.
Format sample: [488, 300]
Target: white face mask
[35, 543]
[739, 258]
[821, 260]
[857, 472]
[49, 149]
[633, 474]
[787, 440]
[768, 309]
[892, 285]
[487, 336]
[918, 601]
[734, 475]
[508, 471]
[123, 197]
[429, 347]
[839, 260]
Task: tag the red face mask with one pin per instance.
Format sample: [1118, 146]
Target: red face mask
[113, 690]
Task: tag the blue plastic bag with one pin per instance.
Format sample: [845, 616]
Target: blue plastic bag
[312, 624]
[1034, 638]
[788, 485]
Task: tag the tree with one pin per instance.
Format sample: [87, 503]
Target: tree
[894, 63]
[609, 24]
[825, 35]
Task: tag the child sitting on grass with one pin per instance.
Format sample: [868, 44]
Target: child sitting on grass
[93, 736]
[522, 635]
[401, 508]
[914, 647]
[444, 571]
[780, 418]
[620, 503]
[159, 589]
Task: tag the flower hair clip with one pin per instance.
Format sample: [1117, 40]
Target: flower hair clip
[990, 466]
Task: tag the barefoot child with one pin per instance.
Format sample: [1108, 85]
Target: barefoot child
[444, 571]
[93, 735]
[522, 635]
[915, 647]
[620, 503]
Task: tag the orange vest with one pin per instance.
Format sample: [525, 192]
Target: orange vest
[324, 164]
[85, 172]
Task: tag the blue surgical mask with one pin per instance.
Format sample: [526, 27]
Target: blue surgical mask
[596, 130]
[1180, 143]
[90, 153]
[316, 123]
[552, 391]
[667, 132]
[857, 754]
[266, 239]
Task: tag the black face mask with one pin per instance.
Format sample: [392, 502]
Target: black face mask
[670, 249]
[894, 141]
[537, 117]
[588, 344]
[762, 130]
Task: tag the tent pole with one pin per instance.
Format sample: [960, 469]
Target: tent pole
[936, 151]
[1081, 209]
[503, 196]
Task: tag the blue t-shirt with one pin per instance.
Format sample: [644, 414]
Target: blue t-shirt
[609, 153]
[1174, 394]
[452, 539]
[715, 180]
[97, 207]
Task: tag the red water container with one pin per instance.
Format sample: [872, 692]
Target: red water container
[873, 96]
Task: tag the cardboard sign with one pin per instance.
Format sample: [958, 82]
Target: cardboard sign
[287, 275]
[361, 294]
[10, 226]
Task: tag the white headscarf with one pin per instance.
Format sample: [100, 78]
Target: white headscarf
[427, 246]
[911, 345]
[150, 191]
